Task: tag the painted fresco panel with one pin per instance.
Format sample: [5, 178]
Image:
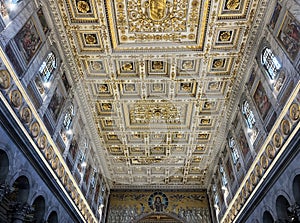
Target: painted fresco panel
[28, 40]
[229, 171]
[43, 20]
[261, 100]
[3, 8]
[243, 142]
[289, 36]
[56, 103]
[275, 16]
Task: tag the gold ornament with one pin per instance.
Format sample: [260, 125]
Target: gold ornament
[218, 63]
[83, 6]
[225, 36]
[232, 4]
[90, 39]
[157, 9]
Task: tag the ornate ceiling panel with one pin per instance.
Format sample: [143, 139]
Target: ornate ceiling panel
[143, 25]
[158, 79]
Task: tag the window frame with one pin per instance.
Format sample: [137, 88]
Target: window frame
[270, 63]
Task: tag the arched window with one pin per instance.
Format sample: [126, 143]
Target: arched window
[48, 67]
[296, 188]
[8, 6]
[234, 152]
[267, 217]
[53, 217]
[21, 192]
[39, 209]
[270, 62]
[4, 166]
[282, 206]
[249, 116]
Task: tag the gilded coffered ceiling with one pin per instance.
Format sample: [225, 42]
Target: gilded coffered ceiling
[157, 81]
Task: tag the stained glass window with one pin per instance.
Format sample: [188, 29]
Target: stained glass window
[48, 67]
[234, 152]
[249, 116]
[270, 62]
